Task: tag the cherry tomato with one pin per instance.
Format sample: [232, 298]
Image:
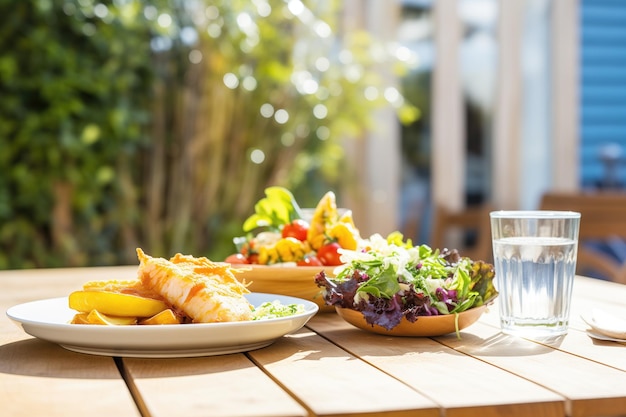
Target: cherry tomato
[236, 258]
[298, 229]
[328, 254]
[310, 261]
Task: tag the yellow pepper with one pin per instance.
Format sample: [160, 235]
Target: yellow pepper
[347, 218]
[345, 234]
[325, 214]
[288, 249]
[268, 255]
[318, 241]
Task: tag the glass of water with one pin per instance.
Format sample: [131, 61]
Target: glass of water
[535, 263]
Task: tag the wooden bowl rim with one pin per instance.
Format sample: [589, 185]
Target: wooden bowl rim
[424, 326]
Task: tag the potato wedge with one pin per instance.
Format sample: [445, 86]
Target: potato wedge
[96, 317]
[164, 317]
[115, 304]
[80, 318]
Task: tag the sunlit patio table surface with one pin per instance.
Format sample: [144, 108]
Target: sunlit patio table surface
[328, 368]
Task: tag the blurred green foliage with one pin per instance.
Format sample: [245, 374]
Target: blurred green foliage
[75, 81]
[127, 123]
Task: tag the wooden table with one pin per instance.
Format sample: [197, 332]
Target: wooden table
[328, 368]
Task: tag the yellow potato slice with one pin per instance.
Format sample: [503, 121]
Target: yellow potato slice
[115, 304]
[96, 317]
[80, 318]
[164, 317]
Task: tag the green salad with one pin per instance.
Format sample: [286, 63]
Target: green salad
[390, 280]
[274, 309]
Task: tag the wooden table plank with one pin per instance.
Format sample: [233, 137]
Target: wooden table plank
[580, 344]
[41, 378]
[345, 371]
[228, 385]
[605, 292]
[579, 380]
[38, 378]
[462, 386]
[587, 293]
[332, 382]
[577, 341]
[578, 307]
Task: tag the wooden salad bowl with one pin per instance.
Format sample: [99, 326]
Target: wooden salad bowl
[423, 326]
[294, 281]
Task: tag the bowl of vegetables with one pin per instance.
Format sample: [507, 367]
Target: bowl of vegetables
[285, 246]
[397, 289]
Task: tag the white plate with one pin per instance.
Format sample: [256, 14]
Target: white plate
[49, 320]
[606, 324]
[603, 337]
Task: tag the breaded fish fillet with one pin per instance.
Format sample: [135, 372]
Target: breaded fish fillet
[205, 291]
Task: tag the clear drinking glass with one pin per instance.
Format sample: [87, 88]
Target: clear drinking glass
[535, 262]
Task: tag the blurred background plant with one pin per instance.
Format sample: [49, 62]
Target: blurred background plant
[158, 124]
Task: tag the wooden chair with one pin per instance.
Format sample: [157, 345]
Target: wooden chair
[603, 217]
[468, 230]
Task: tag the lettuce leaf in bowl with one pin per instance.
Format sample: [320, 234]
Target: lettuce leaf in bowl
[388, 281]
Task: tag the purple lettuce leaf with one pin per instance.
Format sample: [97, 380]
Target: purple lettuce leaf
[385, 312]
